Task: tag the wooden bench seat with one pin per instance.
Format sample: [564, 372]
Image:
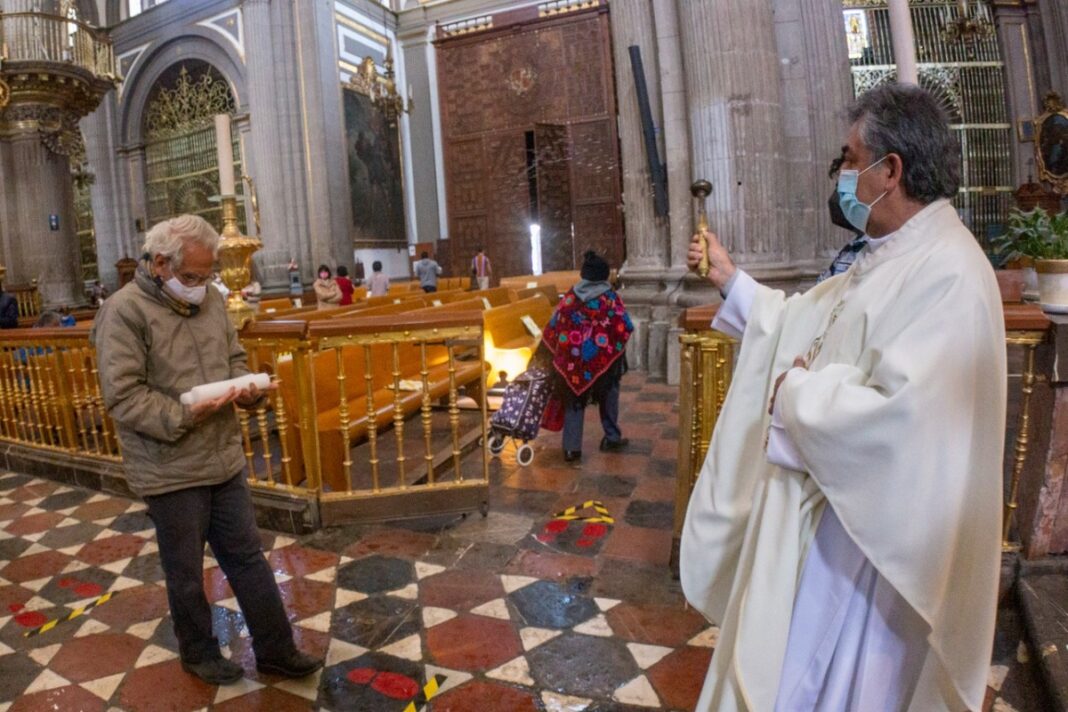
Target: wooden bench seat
[504, 324]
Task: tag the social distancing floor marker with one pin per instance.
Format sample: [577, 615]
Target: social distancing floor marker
[70, 616]
[429, 690]
[572, 513]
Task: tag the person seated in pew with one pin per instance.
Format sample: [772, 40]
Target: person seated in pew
[327, 292]
[378, 285]
[344, 285]
[587, 336]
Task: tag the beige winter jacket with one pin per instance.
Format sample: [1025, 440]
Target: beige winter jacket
[327, 293]
[147, 356]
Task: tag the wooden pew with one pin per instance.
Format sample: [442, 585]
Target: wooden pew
[548, 290]
[504, 324]
[270, 306]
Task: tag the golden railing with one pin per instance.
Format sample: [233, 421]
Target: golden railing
[28, 298]
[42, 37]
[421, 381]
[707, 361]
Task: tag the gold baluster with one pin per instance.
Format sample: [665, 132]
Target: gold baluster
[20, 386]
[37, 395]
[454, 414]
[483, 407]
[65, 378]
[424, 371]
[372, 417]
[306, 421]
[281, 424]
[265, 438]
[57, 397]
[107, 427]
[7, 404]
[343, 416]
[1023, 442]
[88, 408]
[246, 439]
[398, 415]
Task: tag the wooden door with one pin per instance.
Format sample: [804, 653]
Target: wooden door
[552, 167]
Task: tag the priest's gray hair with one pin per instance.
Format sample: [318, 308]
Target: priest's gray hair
[167, 238]
[907, 120]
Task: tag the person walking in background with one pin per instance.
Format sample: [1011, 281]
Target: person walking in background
[427, 271]
[378, 285]
[327, 292]
[481, 269]
[9, 310]
[587, 336]
[344, 285]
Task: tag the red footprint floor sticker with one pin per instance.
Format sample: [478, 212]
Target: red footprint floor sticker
[81, 589]
[390, 684]
[27, 619]
[570, 532]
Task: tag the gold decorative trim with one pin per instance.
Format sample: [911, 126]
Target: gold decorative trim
[561, 7]
[1053, 106]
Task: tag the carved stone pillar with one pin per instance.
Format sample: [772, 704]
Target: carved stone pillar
[735, 106]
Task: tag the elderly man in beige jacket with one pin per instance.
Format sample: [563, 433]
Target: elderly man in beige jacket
[159, 336]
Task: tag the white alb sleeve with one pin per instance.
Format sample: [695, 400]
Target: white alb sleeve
[733, 314]
[781, 448]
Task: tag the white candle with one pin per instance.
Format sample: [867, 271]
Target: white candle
[225, 146]
[218, 389]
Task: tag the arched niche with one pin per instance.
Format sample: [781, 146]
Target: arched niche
[192, 44]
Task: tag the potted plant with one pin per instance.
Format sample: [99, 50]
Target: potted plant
[1035, 236]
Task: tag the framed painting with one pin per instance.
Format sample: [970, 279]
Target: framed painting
[376, 186]
[1051, 143]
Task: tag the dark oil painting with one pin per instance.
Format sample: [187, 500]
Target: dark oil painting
[375, 185]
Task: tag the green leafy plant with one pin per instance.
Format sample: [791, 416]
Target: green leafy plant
[1033, 234]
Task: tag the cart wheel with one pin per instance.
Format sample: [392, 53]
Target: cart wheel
[524, 455]
[496, 443]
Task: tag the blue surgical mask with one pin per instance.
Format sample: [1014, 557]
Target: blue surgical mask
[856, 212]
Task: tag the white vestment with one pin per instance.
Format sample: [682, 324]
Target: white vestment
[899, 426]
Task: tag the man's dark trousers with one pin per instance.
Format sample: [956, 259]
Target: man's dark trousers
[222, 516]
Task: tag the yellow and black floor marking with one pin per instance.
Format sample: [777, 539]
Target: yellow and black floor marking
[572, 513]
[70, 616]
[429, 690]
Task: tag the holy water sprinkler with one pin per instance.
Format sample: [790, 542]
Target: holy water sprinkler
[700, 190]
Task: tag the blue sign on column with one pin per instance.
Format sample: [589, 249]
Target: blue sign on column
[53, 222]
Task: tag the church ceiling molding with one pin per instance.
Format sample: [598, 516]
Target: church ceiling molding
[229, 25]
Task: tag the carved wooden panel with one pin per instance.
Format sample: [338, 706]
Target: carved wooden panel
[552, 150]
[495, 86]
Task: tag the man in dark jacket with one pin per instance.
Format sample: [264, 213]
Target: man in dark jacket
[157, 337]
[9, 311]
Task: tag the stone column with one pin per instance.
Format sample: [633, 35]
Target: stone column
[1055, 24]
[37, 186]
[132, 161]
[1014, 38]
[735, 109]
[415, 47]
[676, 130]
[111, 217]
[273, 153]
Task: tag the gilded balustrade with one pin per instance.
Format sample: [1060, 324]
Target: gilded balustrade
[707, 360]
[338, 389]
[45, 38]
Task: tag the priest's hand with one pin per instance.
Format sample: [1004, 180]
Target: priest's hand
[798, 363]
[720, 266]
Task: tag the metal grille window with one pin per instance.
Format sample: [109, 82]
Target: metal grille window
[969, 79]
[181, 169]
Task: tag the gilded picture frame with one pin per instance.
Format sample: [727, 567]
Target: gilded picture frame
[1051, 143]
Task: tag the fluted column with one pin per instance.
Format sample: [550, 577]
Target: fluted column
[111, 221]
[632, 24]
[676, 129]
[732, 83]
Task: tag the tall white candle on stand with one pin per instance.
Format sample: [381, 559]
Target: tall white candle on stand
[225, 146]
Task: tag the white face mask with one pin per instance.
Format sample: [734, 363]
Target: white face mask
[192, 295]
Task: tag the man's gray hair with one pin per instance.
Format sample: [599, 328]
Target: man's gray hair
[167, 238]
[906, 120]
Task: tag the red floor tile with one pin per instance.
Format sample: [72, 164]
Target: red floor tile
[460, 590]
[33, 490]
[395, 542]
[654, 624]
[547, 478]
[103, 509]
[145, 689]
[216, 587]
[269, 699]
[655, 489]
[12, 595]
[12, 510]
[35, 566]
[70, 697]
[679, 676]
[304, 598]
[548, 565]
[96, 656]
[473, 643]
[648, 546]
[298, 561]
[480, 696]
[34, 523]
[104, 551]
[134, 605]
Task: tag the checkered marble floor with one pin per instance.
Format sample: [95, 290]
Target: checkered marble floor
[515, 611]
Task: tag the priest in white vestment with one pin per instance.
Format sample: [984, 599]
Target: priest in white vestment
[845, 529]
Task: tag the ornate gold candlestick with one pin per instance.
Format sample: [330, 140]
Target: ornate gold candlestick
[235, 255]
[700, 190]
